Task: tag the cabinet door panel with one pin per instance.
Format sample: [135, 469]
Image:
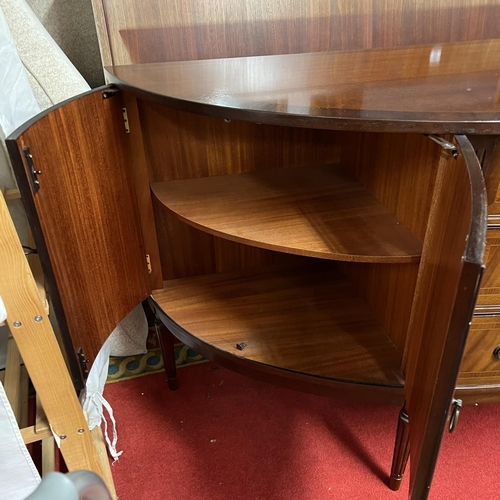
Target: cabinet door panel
[447, 287]
[84, 214]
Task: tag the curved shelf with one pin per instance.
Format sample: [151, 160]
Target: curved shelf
[449, 88]
[311, 211]
[306, 321]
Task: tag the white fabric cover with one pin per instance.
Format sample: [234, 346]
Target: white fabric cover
[18, 474]
[129, 337]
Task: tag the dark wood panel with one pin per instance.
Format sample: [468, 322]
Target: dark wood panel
[490, 288]
[447, 285]
[479, 391]
[142, 176]
[428, 89]
[388, 290]
[231, 256]
[184, 251]
[312, 211]
[400, 170]
[130, 32]
[306, 319]
[86, 207]
[183, 145]
[479, 358]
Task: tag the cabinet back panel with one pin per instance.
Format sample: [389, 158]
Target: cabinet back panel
[155, 31]
[182, 145]
[400, 170]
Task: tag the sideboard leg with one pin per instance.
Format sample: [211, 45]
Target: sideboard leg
[167, 350]
[401, 451]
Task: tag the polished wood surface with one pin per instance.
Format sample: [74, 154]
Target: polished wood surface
[84, 216]
[149, 31]
[142, 176]
[401, 451]
[400, 170]
[447, 285]
[479, 358]
[429, 89]
[305, 318]
[180, 145]
[312, 211]
[490, 287]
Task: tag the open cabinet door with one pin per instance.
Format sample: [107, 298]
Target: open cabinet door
[71, 165]
[447, 286]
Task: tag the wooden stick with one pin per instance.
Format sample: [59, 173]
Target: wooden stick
[38, 347]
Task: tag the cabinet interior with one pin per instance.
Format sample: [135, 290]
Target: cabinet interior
[301, 242]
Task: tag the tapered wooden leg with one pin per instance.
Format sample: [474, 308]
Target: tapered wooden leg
[401, 451]
[167, 350]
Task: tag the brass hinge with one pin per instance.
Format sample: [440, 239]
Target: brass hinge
[110, 92]
[33, 173]
[83, 362]
[444, 144]
[125, 120]
[148, 261]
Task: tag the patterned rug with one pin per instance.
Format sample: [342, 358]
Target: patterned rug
[151, 362]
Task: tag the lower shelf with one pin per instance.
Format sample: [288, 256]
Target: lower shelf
[296, 322]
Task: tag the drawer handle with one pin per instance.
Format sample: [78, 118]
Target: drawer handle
[496, 352]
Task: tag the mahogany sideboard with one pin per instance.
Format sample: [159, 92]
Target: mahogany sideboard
[319, 221]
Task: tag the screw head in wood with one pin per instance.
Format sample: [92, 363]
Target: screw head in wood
[81, 431]
[38, 318]
[241, 346]
[16, 324]
[62, 436]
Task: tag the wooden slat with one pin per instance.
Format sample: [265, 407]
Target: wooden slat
[12, 194]
[30, 436]
[303, 319]
[48, 455]
[13, 377]
[312, 211]
[41, 354]
[41, 422]
[102, 456]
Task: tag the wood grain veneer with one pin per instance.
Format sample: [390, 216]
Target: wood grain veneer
[180, 145]
[305, 318]
[400, 170]
[478, 359]
[450, 88]
[447, 285]
[86, 210]
[131, 32]
[313, 211]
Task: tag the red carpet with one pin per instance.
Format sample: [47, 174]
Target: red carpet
[224, 436]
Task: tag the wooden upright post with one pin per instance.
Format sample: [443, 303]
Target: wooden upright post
[37, 344]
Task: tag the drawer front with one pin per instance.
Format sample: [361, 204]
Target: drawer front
[479, 358]
[489, 293]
